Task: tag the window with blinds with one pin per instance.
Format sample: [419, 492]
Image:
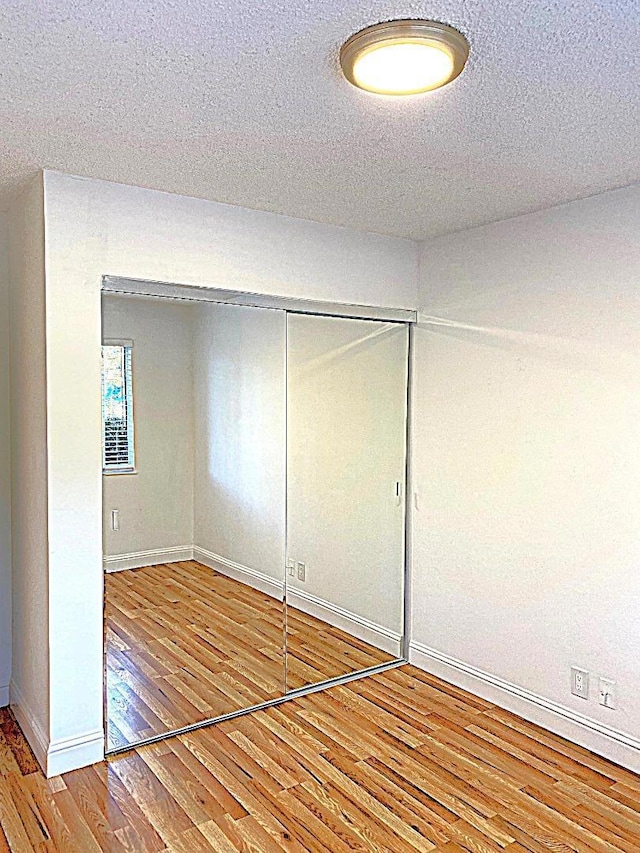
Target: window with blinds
[117, 409]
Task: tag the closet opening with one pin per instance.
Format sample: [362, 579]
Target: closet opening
[254, 501]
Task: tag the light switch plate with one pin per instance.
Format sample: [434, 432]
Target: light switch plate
[607, 693]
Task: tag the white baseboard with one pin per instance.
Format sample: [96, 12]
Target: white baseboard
[4, 696]
[73, 753]
[357, 626]
[598, 737]
[251, 577]
[138, 559]
[55, 757]
[31, 728]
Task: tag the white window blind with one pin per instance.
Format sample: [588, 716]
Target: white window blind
[117, 408]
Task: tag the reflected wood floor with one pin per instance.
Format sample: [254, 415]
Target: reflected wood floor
[317, 651]
[185, 643]
[396, 762]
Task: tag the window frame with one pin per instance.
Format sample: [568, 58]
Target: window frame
[130, 468]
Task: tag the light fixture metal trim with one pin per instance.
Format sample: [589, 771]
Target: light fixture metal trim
[406, 31]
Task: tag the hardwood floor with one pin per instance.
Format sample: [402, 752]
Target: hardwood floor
[185, 643]
[394, 762]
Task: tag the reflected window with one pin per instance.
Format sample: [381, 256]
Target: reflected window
[117, 409]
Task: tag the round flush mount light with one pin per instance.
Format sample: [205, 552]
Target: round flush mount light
[404, 57]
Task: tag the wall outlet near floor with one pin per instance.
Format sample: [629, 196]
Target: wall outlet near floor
[302, 571]
[607, 693]
[580, 682]
[291, 566]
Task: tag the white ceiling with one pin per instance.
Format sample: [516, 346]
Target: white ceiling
[242, 101]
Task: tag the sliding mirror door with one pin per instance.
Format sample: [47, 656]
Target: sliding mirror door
[194, 511]
[346, 462]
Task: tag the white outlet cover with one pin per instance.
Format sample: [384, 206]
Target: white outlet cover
[580, 682]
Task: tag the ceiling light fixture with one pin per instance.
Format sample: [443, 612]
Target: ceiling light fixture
[404, 57]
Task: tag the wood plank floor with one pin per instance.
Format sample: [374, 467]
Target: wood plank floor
[185, 643]
[394, 762]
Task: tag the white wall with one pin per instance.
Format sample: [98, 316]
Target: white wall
[202, 243]
[5, 470]
[155, 503]
[239, 358]
[526, 448]
[95, 228]
[29, 692]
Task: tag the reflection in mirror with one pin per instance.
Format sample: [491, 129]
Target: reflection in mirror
[193, 497]
[346, 452]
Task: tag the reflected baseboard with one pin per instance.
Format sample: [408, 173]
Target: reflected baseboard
[154, 557]
[251, 577]
[363, 629]
[357, 626]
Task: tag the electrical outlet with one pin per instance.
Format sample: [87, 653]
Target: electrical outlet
[607, 693]
[580, 682]
[291, 566]
[302, 571]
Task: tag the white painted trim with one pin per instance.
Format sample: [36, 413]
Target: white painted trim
[75, 752]
[55, 757]
[4, 696]
[250, 577]
[31, 728]
[168, 290]
[117, 342]
[363, 629]
[598, 737]
[138, 559]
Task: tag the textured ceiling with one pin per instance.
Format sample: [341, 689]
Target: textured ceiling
[242, 102]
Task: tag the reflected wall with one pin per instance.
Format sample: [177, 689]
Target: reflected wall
[346, 462]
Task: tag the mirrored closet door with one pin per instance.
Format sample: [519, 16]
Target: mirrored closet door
[253, 504]
[346, 452]
[194, 511]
